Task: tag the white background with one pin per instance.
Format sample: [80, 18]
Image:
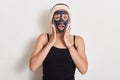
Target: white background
[97, 21]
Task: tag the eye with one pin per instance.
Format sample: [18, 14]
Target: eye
[65, 17]
[57, 17]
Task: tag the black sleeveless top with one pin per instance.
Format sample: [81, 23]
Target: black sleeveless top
[58, 64]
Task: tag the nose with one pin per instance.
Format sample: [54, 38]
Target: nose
[61, 22]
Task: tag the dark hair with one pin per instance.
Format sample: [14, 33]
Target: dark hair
[60, 4]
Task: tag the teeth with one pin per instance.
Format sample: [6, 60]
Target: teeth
[61, 27]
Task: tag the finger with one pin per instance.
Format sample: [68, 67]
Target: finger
[69, 29]
[68, 26]
[54, 30]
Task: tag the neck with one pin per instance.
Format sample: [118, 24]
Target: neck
[59, 35]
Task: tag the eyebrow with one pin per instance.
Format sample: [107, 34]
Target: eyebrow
[57, 12]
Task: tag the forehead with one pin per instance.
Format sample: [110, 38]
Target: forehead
[61, 12]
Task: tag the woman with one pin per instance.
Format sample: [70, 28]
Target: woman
[59, 51]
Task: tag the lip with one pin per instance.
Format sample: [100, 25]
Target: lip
[61, 27]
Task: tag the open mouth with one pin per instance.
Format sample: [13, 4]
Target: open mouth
[61, 27]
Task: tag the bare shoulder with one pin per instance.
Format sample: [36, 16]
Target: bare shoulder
[42, 35]
[79, 40]
[42, 38]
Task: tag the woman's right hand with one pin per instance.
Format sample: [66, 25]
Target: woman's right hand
[53, 35]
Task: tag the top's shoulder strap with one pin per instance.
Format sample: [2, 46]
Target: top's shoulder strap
[48, 36]
[74, 40]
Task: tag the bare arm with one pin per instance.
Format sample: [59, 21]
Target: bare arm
[39, 53]
[41, 50]
[79, 56]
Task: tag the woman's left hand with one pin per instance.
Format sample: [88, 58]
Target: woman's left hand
[67, 39]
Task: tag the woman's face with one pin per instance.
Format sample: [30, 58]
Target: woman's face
[60, 20]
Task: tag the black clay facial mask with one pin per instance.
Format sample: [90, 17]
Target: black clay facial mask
[60, 20]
